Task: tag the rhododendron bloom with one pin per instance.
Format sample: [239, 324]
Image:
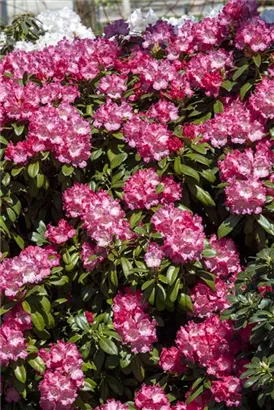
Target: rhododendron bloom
[241, 9]
[151, 398]
[103, 217]
[32, 265]
[150, 139]
[154, 255]
[183, 233]
[111, 115]
[204, 70]
[75, 199]
[254, 34]
[63, 377]
[227, 390]
[262, 101]
[170, 360]
[12, 343]
[91, 255]
[60, 130]
[132, 323]
[206, 301]
[245, 197]
[164, 111]
[61, 233]
[141, 190]
[226, 261]
[18, 318]
[210, 344]
[242, 165]
[236, 123]
[112, 405]
[112, 85]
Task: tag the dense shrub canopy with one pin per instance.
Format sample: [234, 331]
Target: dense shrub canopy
[137, 213]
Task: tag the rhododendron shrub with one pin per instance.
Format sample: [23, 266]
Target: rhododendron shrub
[137, 190]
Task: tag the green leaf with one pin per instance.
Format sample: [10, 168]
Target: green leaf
[108, 346]
[115, 385]
[126, 266]
[186, 170]
[4, 226]
[199, 158]
[172, 274]
[195, 394]
[228, 85]
[185, 302]
[218, 107]
[38, 321]
[20, 373]
[138, 369]
[18, 129]
[266, 224]
[33, 169]
[209, 253]
[228, 225]
[244, 89]
[67, 170]
[257, 60]
[37, 364]
[4, 141]
[175, 290]
[203, 196]
[208, 278]
[89, 385]
[239, 71]
[11, 215]
[19, 240]
[135, 218]
[177, 165]
[118, 159]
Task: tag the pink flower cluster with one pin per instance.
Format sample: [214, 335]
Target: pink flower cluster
[255, 35]
[32, 265]
[141, 190]
[131, 321]
[155, 398]
[154, 255]
[210, 343]
[111, 115]
[82, 59]
[170, 360]
[60, 233]
[12, 342]
[262, 100]
[226, 262]
[206, 301]
[183, 233]
[152, 141]
[164, 111]
[237, 124]
[91, 255]
[205, 71]
[112, 405]
[112, 85]
[63, 376]
[245, 193]
[103, 217]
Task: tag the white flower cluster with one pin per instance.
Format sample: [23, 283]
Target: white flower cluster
[57, 24]
[139, 21]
